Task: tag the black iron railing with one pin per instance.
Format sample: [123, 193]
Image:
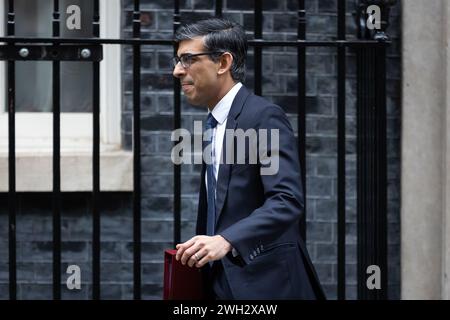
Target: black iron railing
[371, 132]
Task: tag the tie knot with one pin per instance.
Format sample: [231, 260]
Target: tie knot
[211, 122]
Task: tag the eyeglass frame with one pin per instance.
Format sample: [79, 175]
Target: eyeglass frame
[176, 59]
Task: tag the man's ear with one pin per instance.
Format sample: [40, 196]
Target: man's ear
[225, 62]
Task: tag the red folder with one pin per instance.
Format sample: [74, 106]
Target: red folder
[181, 282]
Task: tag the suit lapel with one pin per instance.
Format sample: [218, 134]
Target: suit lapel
[225, 168]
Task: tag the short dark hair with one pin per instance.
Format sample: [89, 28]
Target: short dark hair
[220, 35]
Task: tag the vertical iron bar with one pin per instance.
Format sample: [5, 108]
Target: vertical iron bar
[372, 169]
[372, 181]
[56, 163]
[301, 106]
[12, 203]
[258, 49]
[96, 164]
[381, 223]
[370, 207]
[176, 125]
[219, 8]
[370, 196]
[137, 151]
[341, 152]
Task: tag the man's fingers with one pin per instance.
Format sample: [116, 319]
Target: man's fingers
[180, 250]
[189, 252]
[192, 260]
[181, 247]
[197, 256]
[207, 249]
[203, 259]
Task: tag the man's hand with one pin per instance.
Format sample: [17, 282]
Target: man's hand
[201, 249]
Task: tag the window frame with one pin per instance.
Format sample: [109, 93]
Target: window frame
[76, 128]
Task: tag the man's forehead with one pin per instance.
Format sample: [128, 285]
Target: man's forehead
[191, 45]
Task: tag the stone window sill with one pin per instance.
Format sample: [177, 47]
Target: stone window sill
[34, 172]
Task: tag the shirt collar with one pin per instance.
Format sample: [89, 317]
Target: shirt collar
[222, 108]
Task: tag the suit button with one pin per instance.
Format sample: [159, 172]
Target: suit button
[255, 253]
[262, 247]
[258, 250]
[251, 257]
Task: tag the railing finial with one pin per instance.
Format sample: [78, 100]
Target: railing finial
[372, 24]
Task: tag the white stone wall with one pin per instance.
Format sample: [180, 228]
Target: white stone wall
[425, 211]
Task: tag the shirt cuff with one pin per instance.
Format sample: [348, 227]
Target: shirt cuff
[234, 253]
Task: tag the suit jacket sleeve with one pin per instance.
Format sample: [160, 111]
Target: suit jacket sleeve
[283, 195]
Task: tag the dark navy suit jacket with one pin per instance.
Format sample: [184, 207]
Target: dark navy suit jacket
[259, 214]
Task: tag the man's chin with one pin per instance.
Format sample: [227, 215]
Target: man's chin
[193, 102]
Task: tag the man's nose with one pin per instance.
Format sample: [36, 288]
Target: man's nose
[178, 70]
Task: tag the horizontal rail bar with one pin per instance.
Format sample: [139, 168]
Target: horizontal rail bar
[309, 43]
[135, 41]
[51, 52]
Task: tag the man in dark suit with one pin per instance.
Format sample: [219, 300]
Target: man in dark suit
[248, 242]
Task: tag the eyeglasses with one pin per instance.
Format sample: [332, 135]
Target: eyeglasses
[186, 59]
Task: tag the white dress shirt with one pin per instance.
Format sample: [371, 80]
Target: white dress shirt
[220, 113]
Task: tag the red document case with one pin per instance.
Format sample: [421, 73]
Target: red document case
[181, 282]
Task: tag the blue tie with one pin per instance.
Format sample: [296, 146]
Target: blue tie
[211, 123]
